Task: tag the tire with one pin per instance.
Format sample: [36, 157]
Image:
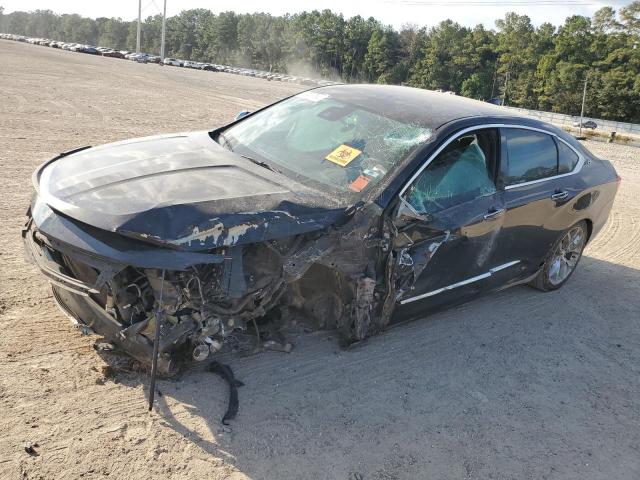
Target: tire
[562, 259]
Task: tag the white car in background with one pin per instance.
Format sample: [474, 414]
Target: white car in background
[137, 57]
[172, 61]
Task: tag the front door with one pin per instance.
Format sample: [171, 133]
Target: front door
[447, 240]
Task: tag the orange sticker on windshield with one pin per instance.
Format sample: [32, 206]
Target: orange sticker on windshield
[343, 155]
[359, 183]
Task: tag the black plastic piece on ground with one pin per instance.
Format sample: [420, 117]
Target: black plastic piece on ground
[227, 374]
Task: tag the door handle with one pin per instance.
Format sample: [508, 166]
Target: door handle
[560, 195]
[493, 214]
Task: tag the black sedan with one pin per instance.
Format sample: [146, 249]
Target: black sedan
[587, 124]
[343, 207]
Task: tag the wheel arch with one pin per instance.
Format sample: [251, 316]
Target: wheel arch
[589, 223]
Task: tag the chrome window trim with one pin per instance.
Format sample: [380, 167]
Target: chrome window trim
[467, 281]
[576, 169]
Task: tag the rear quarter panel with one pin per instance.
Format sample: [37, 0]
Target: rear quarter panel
[535, 221]
[596, 202]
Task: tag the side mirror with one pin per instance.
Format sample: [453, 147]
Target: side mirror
[242, 114]
[406, 213]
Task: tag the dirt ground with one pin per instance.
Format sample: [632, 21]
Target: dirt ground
[520, 385]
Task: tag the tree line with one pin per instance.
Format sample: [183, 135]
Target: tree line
[541, 67]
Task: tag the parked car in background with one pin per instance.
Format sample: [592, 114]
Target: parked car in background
[145, 57]
[112, 54]
[172, 61]
[137, 57]
[586, 124]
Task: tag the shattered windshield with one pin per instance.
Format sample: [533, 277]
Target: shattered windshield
[325, 140]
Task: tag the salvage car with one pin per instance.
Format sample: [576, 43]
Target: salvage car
[345, 207]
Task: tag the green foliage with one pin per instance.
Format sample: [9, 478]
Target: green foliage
[542, 68]
[382, 56]
[358, 33]
[630, 17]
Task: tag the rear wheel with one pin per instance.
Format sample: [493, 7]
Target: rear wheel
[562, 259]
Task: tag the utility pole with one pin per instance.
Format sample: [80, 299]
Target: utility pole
[506, 84]
[139, 25]
[493, 87]
[164, 24]
[584, 99]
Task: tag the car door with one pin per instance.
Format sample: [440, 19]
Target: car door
[536, 171]
[449, 217]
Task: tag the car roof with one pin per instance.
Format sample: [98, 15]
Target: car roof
[414, 105]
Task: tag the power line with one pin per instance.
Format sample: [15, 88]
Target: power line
[147, 5]
[157, 7]
[151, 2]
[491, 3]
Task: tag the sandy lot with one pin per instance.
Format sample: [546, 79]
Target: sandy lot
[516, 386]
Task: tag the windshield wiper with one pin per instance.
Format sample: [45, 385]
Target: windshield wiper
[225, 142]
[261, 164]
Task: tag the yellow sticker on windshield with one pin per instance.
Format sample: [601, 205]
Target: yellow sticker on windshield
[343, 155]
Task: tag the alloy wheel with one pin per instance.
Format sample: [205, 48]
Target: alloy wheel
[566, 255]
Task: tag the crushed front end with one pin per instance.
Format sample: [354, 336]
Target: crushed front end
[110, 284]
[220, 253]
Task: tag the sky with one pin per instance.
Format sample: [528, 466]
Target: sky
[393, 12]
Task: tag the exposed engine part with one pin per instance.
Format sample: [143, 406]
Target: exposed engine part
[156, 343]
[214, 345]
[323, 280]
[200, 353]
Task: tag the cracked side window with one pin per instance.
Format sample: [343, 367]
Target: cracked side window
[464, 170]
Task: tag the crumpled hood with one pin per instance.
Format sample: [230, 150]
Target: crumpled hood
[182, 190]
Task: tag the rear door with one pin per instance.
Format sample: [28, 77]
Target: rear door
[536, 171]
